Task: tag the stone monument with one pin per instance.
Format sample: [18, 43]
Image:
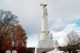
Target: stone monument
[45, 42]
[56, 50]
[55, 44]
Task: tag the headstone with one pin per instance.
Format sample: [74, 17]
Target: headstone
[14, 51]
[55, 44]
[78, 51]
[56, 50]
[8, 51]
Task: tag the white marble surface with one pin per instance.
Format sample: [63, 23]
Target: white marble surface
[44, 18]
[45, 44]
[55, 44]
[14, 51]
[8, 51]
[45, 38]
[56, 51]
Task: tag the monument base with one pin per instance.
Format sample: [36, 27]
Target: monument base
[45, 43]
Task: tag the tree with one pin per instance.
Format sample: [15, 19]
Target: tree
[20, 39]
[7, 23]
[72, 38]
[7, 43]
[12, 35]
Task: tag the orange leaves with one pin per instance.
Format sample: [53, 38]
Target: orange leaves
[7, 38]
[19, 32]
[18, 36]
[7, 43]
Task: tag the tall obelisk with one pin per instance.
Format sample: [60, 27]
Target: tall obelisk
[44, 17]
[45, 42]
[44, 29]
[45, 36]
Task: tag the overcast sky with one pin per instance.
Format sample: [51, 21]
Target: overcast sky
[63, 17]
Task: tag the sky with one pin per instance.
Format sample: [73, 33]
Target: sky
[63, 17]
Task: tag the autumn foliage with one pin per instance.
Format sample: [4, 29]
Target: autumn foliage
[7, 43]
[16, 40]
[20, 39]
[12, 35]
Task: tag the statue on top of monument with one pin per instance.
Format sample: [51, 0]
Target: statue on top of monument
[44, 12]
[44, 5]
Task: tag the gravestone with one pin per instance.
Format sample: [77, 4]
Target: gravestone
[56, 50]
[78, 51]
[55, 44]
[8, 51]
[14, 51]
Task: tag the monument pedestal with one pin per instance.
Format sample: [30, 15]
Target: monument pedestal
[45, 44]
